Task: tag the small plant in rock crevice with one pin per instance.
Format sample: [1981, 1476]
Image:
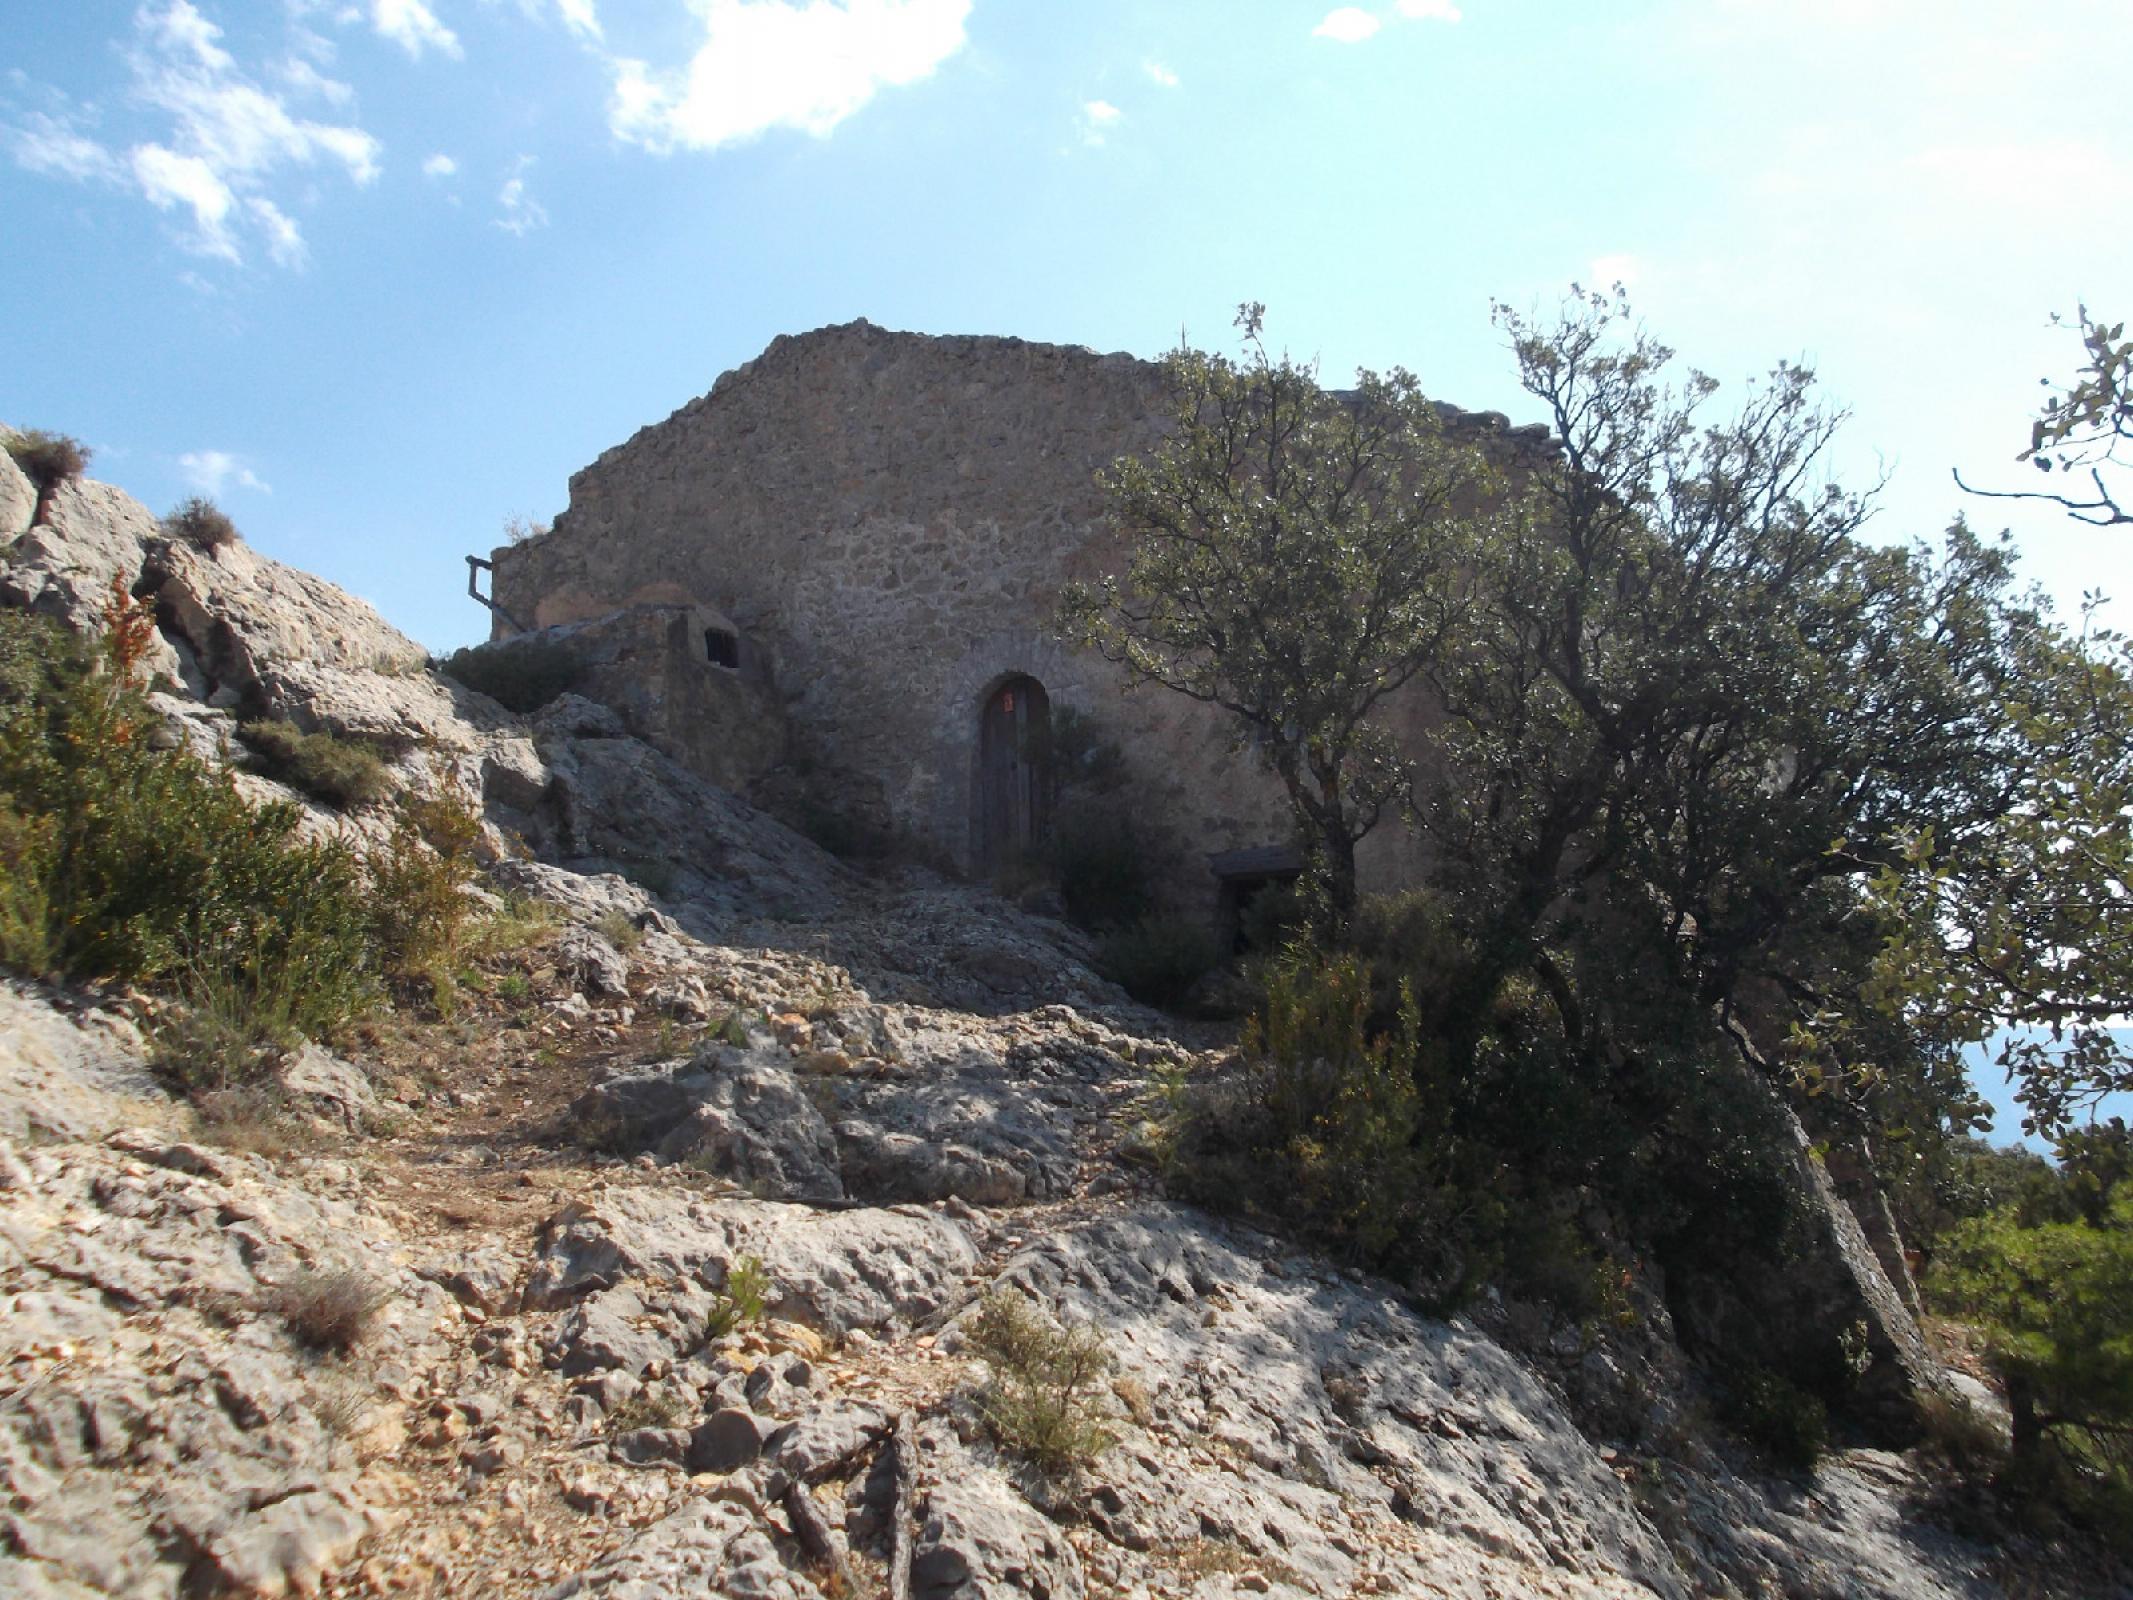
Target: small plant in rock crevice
[741, 1303]
[1045, 1399]
[329, 1311]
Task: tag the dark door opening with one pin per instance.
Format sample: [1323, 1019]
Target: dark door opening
[1014, 771]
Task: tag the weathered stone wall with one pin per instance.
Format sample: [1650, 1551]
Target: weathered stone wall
[888, 519]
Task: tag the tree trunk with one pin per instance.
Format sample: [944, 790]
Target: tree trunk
[2026, 1435]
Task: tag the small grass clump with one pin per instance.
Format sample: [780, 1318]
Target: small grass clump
[648, 1408]
[520, 675]
[199, 522]
[619, 931]
[341, 772]
[741, 1303]
[329, 1311]
[1045, 1400]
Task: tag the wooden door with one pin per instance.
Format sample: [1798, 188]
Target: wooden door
[1014, 771]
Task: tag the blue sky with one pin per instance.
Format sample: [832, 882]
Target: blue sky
[380, 274]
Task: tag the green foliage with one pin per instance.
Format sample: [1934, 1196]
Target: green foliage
[2027, 924]
[1787, 1423]
[2080, 439]
[142, 866]
[741, 1303]
[1101, 860]
[199, 522]
[1295, 562]
[1045, 1400]
[2052, 1291]
[422, 921]
[1158, 959]
[340, 771]
[48, 459]
[520, 675]
[1339, 1132]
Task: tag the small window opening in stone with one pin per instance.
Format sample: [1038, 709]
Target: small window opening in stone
[721, 648]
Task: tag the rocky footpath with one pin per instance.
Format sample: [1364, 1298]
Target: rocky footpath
[654, 1268]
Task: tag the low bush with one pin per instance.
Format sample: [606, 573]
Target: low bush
[1045, 1400]
[422, 920]
[148, 867]
[520, 675]
[201, 523]
[1787, 1423]
[329, 1311]
[47, 460]
[1102, 864]
[1158, 959]
[342, 772]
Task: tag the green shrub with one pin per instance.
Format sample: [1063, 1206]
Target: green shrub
[2054, 1300]
[1045, 1400]
[1785, 1422]
[201, 523]
[1103, 865]
[422, 921]
[341, 772]
[47, 460]
[141, 866]
[1158, 959]
[520, 675]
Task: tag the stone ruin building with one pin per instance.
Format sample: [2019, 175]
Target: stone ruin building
[829, 584]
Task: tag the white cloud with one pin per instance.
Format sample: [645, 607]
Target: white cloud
[1160, 74]
[209, 471]
[284, 243]
[414, 27]
[1347, 25]
[1098, 117]
[1619, 267]
[169, 179]
[439, 165]
[764, 64]
[303, 78]
[54, 147]
[518, 213]
[1429, 10]
[224, 138]
[579, 17]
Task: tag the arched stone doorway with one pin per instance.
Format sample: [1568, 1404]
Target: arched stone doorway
[1014, 770]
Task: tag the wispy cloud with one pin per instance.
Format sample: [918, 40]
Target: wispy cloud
[1159, 74]
[763, 64]
[579, 17]
[517, 212]
[225, 136]
[439, 165]
[1098, 117]
[211, 471]
[1346, 25]
[55, 147]
[414, 27]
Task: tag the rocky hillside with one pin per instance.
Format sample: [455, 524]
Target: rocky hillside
[658, 1265]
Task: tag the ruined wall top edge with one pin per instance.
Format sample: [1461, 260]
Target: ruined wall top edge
[856, 336]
